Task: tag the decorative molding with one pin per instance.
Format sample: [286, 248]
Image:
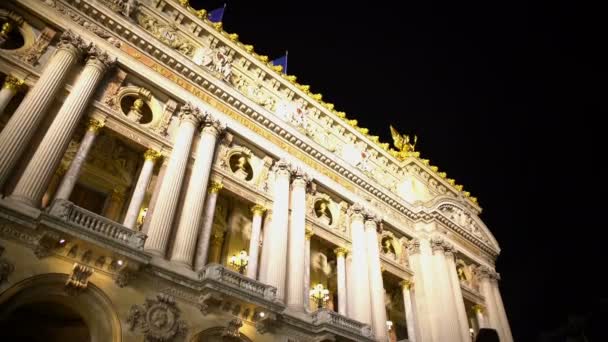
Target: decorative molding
[158, 319]
[34, 52]
[79, 279]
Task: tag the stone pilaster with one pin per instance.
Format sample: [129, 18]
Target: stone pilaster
[297, 241]
[150, 157]
[277, 236]
[341, 274]
[254, 243]
[19, 130]
[372, 227]
[12, 85]
[166, 205]
[361, 304]
[37, 175]
[410, 318]
[202, 249]
[192, 212]
[71, 176]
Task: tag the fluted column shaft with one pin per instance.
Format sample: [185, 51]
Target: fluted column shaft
[166, 205]
[192, 212]
[410, 318]
[38, 173]
[502, 315]
[360, 278]
[427, 309]
[486, 290]
[202, 245]
[450, 326]
[349, 285]
[22, 125]
[457, 293]
[297, 241]
[10, 87]
[375, 280]
[309, 234]
[265, 247]
[150, 157]
[277, 236]
[341, 274]
[497, 318]
[71, 176]
[254, 242]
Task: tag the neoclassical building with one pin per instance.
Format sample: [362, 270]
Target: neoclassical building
[162, 181]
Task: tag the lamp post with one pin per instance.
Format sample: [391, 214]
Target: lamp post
[240, 261]
[320, 295]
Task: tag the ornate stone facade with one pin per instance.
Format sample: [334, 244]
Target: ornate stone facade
[259, 179]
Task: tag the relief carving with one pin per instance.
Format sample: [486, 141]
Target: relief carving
[34, 52]
[158, 319]
[167, 34]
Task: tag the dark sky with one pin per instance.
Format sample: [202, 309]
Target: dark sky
[500, 96]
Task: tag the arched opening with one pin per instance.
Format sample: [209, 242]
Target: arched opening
[39, 309]
[44, 321]
[218, 334]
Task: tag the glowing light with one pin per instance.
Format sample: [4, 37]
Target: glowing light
[320, 295]
[62, 241]
[262, 314]
[120, 262]
[389, 324]
[240, 261]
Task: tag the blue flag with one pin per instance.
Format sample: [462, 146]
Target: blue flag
[282, 61]
[217, 14]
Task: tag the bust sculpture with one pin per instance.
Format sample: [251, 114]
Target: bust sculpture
[322, 212]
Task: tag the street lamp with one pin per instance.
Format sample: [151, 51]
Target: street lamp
[240, 261]
[320, 295]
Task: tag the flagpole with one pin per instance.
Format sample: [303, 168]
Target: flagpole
[286, 60]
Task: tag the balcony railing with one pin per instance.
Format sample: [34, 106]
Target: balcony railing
[337, 321]
[98, 225]
[219, 273]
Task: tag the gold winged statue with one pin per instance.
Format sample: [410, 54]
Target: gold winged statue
[405, 148]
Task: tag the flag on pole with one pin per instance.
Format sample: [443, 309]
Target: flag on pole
[282, 61]
[217, 14]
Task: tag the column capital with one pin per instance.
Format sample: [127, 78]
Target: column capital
[213, 126]
[99, 58]
[309, 233]
[152, 155]
[356, 212]
[478, 308]
[13, 83]
[282, 167]
[437, 244]
[189, 112]
[72, 42]
[94, 125]
[258, 210]
[413, 246]
[484, 272]
[341, 251]
[406, 284]
[449, 249]
[215, 187]
[300, 178]
[373, 221]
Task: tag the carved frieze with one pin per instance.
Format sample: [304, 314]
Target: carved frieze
[158, 319]
[166, 33]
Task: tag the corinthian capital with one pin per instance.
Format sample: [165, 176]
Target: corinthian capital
[188, 112]
[413, 247]
[356, 212]
[213, 126]
[301, 178]
[282, 167]
[99, 58]
[484, 272]
[437, 244]
[72, 42]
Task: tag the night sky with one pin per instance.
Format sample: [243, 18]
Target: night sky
[500, 96]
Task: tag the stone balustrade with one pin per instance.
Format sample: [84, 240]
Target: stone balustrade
[342, 323]
[218, 273]
[96, 224]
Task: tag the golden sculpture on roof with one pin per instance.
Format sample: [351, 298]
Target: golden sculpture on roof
[405, 148]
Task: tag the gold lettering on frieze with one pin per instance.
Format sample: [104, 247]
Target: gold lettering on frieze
[247, 122]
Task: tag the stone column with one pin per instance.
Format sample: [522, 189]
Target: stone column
[309, 234]
[481, 320]
[150, 157]
[265, 247]
[71, 176]
[17, 133]
[202, 249]
[37, 175]
[361, 304]
[192, 212]
[457, 292]
[297, 241]
[254, 242]
[406, 285]
[426, 308]
[450, 326]
[217, 242]
[277, 235]
[502, 315]
[11, 86]
[117, 199]
[166, 205]
[341, 274]
[486, 276]
[349, 284]
[372, 226]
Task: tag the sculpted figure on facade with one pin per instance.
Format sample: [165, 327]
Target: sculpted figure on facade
[124, 7]
[217, 60]
[167, 34]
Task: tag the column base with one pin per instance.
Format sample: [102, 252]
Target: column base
[20, 207]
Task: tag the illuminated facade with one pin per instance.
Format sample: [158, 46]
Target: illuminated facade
[163, 182]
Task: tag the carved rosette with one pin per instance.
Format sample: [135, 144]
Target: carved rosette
[189, 112]
[158, 319]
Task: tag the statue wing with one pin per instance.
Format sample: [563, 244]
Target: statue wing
[397, 138]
